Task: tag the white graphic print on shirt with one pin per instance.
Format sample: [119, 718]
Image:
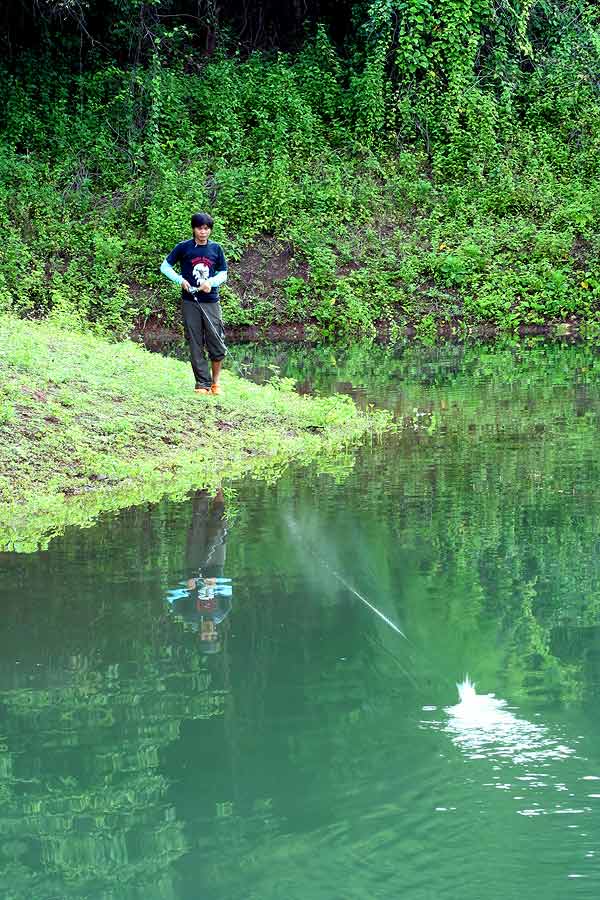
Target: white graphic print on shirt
[201, 269]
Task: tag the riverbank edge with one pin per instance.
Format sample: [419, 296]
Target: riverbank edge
[88, 427]
[154, 337]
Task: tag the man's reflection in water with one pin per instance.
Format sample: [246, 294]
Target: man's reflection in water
[203, 599]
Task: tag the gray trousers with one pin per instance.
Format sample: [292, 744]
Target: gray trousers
[204, 331]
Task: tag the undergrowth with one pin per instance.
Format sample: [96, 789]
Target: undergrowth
[444, 168]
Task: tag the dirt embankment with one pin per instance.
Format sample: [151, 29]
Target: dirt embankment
[258, 279]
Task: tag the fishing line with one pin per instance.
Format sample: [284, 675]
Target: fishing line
[294, 528]
[193, 291]
[231, 364]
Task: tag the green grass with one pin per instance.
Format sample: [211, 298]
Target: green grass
[87, 426]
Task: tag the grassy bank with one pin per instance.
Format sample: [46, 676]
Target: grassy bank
[87, 426]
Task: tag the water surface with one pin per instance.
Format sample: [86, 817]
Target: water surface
[202, 700]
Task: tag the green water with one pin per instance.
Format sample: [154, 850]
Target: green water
[264, 733]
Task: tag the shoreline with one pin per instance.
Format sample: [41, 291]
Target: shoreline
[88, 427]
[154, 337]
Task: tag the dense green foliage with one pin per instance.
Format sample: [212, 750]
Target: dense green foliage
[434, 161]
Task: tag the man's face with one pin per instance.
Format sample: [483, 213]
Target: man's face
[201, 233]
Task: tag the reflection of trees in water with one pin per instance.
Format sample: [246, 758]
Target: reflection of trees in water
[471, 531]
[85, 794]
[298, 735]
[104, 681]
[486, 504]
[470, 528]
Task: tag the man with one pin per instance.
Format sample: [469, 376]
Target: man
[203, 268]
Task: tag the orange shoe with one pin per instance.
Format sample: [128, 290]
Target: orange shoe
[215, 389]
[201, 390]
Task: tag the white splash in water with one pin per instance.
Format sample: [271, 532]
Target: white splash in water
[466, 691]
[484, 726]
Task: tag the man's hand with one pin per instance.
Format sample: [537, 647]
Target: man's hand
[205, 287]
[186, 286]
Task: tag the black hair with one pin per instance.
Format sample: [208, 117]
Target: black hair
[202, 219]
